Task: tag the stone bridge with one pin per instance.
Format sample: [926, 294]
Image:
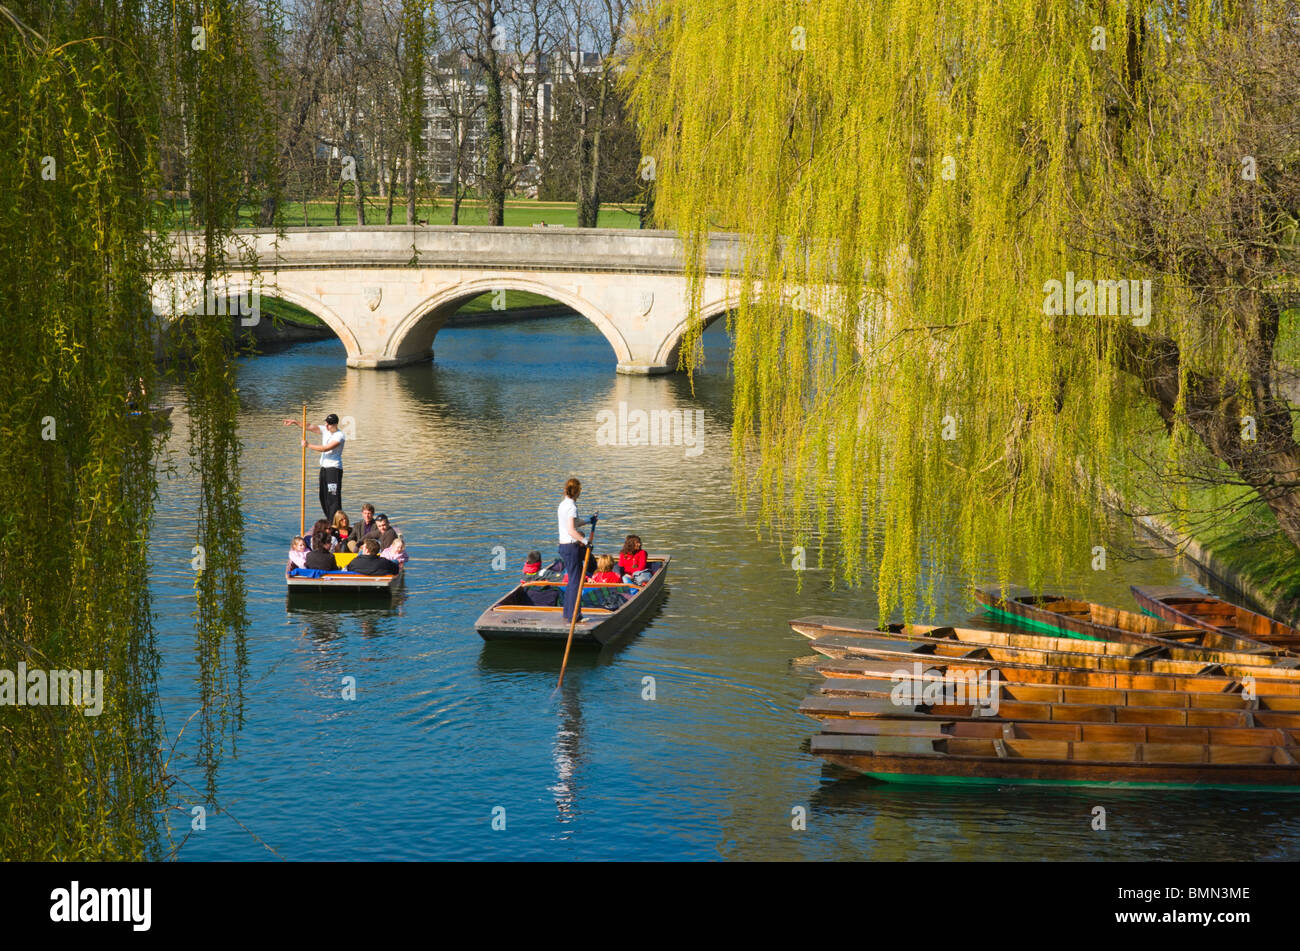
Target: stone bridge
[386, 291]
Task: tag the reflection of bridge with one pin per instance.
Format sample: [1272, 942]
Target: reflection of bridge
[386, 291]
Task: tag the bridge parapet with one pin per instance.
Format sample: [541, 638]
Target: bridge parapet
[386, 291]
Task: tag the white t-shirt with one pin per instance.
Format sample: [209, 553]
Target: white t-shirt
[332, 457]
[568, 510]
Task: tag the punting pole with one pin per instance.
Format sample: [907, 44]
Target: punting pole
[302, 506]
[577, 605]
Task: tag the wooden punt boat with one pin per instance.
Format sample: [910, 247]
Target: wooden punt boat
[156, 416]
[1038, 761]
[850, 682]
[887, 663]
[947, 645]
[347, 583]
[1055, 614]
[513, 617]
[938, 727]
[836, 699]
[1185, 606]
[822, 627]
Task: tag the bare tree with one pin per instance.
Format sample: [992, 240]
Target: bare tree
[587, 92]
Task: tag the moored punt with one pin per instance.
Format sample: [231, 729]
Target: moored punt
[1054, 614]
[1185, 606]
[853, 682]
[886, 664]
[843, 628]
[939, 726]
[513, 617]
[903, 648]
[841, 699]
[995, 760]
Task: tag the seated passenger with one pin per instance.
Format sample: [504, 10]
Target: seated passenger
[322, 527]
[386, 532]
[532, 567]
[343, 534]
[368, 525]
[605, 573]
[297, 553]
[632, 561]
[369, 562]
[396, 552]
[320, 557]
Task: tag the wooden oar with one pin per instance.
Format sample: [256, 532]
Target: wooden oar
[302, 508]
[577, 605]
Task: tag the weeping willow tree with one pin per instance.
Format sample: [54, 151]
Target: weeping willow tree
[78, 478]
[929, 196]
[221, 58]
[85, 85]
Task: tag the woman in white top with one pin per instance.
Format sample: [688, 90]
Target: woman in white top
[573, 544]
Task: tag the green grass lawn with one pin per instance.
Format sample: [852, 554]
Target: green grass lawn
[283, 310]
[279, 309]
[519, 213]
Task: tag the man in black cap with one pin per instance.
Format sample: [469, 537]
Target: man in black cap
[331, 462]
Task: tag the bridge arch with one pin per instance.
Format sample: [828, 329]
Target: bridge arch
[412, 336]
[670, 349]
[307, 302]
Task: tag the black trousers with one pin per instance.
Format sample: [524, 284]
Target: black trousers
[331, 491]
[573, 555]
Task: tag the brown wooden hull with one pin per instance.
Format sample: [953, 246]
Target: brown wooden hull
[1047, 695]
[1185, 606]
[1021, 761]
[830, 701]
[1086, 619]
[934, 726]
[874, 666]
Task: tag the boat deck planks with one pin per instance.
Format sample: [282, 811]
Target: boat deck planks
[506, 620]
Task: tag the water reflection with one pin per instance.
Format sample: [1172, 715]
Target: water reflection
[567, 753]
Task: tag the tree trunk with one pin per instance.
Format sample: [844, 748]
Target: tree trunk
[361, 200]
[338, 204]
[391, 173]
[495, 173]
[1213, 410]
[409, 177]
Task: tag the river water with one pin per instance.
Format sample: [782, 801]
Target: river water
[468, 457]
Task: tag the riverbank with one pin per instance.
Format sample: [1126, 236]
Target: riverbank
[1260, 570]
[1232, 541]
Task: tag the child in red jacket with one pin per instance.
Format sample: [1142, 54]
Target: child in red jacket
[632, 561]
[605, 573]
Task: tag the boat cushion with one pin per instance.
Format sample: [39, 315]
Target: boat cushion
[317, 573]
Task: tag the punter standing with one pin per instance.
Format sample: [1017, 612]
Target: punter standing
[573, 544]
[331, 462]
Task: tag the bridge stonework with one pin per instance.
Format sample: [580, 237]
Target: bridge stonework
[386, 291]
